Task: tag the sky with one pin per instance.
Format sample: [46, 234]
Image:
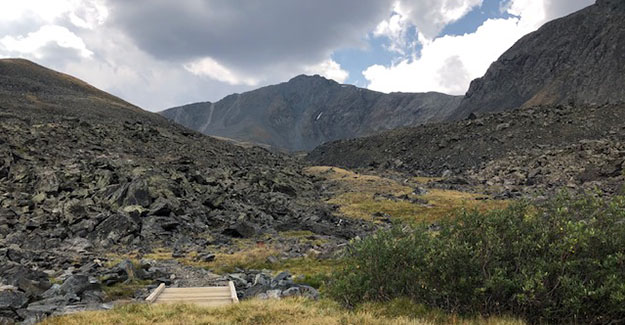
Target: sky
[163, 53]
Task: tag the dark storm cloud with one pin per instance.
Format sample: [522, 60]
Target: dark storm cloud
[246, 34]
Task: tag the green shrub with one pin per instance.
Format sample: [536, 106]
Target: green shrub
[563, 261]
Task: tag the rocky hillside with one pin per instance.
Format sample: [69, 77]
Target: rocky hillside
[310, 110]
[576, 60]
[544, 147]
[84, 174]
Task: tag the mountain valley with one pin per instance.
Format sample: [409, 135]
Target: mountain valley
[325, 203]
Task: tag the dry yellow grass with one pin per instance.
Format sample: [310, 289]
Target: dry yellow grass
[357, 199]
[425, 180]
[252, 312]
[250, 255]
[359, 182]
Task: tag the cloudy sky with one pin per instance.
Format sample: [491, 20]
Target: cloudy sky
[162, 53]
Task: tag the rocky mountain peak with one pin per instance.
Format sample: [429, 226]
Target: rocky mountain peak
[309, 110]
[311, 80]
[577, 59]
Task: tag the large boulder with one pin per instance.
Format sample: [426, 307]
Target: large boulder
[77, 284]
[12, 300]
[242, 229]
[32, 282]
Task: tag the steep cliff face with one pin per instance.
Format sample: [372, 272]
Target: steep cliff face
[310, 110]
[577, 59]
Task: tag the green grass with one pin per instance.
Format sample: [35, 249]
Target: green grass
[124, 290]
[357, 197]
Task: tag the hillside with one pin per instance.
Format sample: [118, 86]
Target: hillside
[575, 60]
[307, 111]
[540, 148]
[85, 175]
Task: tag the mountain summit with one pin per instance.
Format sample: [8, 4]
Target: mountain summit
[307, 111]
[577, 59]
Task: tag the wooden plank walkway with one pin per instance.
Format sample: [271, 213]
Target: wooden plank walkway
[203, 296]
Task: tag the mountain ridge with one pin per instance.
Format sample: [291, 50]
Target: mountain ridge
[308, 110]
[575, 59]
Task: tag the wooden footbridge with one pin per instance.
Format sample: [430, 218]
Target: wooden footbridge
[203, 296]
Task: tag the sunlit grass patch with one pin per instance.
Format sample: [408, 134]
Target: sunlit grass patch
[359, 182]
[360, 198]
[252, 255]
[404, 307]
[251, 312]
[124, 290]
[425, 180]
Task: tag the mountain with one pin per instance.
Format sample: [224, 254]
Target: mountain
[309, 110]
[555, 102]
[536, 149]
[577, 59]
[85, 176]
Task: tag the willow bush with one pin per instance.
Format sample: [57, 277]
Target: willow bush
[559, 262]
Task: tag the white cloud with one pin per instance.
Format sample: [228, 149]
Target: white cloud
[395, 29]
[46, 10]
[81, 13]
[210, 68]
[449, 63]
[34, 43]
[431, 16]
[329, 69]
[49, 26]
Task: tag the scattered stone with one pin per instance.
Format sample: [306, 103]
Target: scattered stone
[419, 191]
[272, 260]
[206, 257]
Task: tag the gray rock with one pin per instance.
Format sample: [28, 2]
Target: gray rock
[127, 270]
[291, 292]
[11, 300]
[273, 294]
[206, 257]
[239, 280]
[78, 245]
[32, 282]
[419, 191]
[282, 276]
[261, 279]
[138, 194]
[309, 292]
[272, 260]
[79, 283]
[242, 229]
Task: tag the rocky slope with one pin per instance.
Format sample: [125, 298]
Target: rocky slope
[576, 60]
[310, 110]
[84, 174]
[542, 148]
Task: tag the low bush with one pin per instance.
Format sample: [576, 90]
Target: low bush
[560, 262]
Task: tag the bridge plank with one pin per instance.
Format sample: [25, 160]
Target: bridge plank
[203, 296]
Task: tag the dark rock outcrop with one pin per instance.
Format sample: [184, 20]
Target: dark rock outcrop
[310, 110]
[573, 60]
